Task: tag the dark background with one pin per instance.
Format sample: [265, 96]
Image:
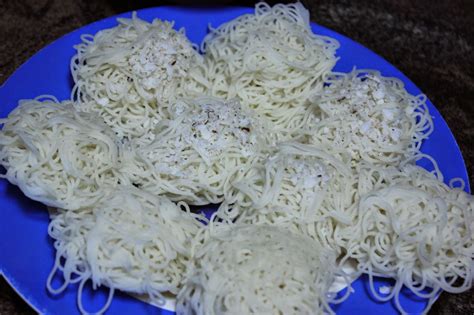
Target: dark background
[430, 41]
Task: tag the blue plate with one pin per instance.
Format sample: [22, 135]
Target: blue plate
[27, 251]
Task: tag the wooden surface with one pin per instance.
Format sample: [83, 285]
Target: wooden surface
[430, 41]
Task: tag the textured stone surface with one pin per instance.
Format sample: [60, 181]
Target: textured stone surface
[431, 42]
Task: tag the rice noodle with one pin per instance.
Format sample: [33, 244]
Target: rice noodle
[371, 116]
[270, 60]
[300, 187]
[58, 156]
[128, 74]
[198, 148]
[132, 241]
[412, 227]
[256, 269]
